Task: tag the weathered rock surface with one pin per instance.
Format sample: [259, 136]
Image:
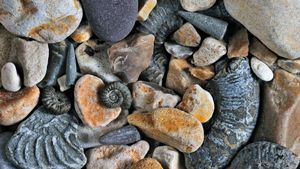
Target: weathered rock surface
[196, 5]
[147, 163]
[10, 78]
[292, 66]
[187, 35]
[261, 70]
[4, 162]
[203, 73]
[238, 45]
[168, 157]
[145, 8]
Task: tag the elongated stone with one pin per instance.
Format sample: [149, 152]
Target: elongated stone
[71, 67]
[10, 78]
[261, 70]
[145, 8]
[292, 66]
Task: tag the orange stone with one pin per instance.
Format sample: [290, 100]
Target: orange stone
[146, 6]
[203, 73]
[82, 34]
[238, 45]
[187, 35]
[147, 163]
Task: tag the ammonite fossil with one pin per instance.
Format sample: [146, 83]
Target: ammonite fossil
[236, 95]
[45, 140]
[116, 94]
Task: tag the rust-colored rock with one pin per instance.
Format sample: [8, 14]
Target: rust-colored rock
[187, 35]
[238, 45]
[260, 51]
[147, 163]
[203, 73]
[146, 7]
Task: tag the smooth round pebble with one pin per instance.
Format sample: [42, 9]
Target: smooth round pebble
[10, 78]
[261, 70]
[197, 5]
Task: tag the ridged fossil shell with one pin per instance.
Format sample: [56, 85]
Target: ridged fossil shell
[48, 141]
[236, 95]
[56, 101]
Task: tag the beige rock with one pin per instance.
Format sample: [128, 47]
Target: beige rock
[83, 33]
[170, 126]
[261, 70]
[147, 163]
[10, 78]
[238, 45]
[292, 66]
[168, 157]
[88, 106]
[146, 6]
[203, 73]
[196, 5]
[187, 35]
[116, 156]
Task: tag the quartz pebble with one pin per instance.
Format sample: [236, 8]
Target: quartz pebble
[170, 126]
[187, 35]
[178, 51]
[292, 66]
[261, 70]
[196, 5]
[116, 156]
[88, 104]
[145, 8]
[168, 157]
[147, 163]
[83, 33]
[203, 73]
[10, 78]
[238, 45]
[211, 50]
[4, 162]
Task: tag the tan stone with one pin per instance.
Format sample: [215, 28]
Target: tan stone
[170, 126]
[168, 157]
[15, 106]
[146, 6]
[238, 45]
[292, 66]
[88, 106]
[83, 33]
[147, 163]
[187, 35]
[197, 5]
[203, 73]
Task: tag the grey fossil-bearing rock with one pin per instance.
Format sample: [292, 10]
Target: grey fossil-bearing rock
[236, 95]
[49, 141]
[4, 162]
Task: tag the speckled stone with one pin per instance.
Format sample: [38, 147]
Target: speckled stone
[4, 162]
[10, 78]
[168, 157]
[238, 45]
[197, 5]
[83, 33]
[147, 163]
[187, 35]
[261, 70]
[178, 51]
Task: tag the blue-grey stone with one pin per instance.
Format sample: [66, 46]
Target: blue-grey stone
[71, 67]
[4, 162]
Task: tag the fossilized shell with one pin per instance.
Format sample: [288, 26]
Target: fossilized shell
[56, 101]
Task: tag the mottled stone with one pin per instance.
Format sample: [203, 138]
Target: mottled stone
[147, 163]
[203, 73]
[236, 115]
[261, 70]
[83, 33]
[4, 162]
[150, 96]
[128, 58]
[50, 141]
[168, 157]
[279, 122]
[238, 45]
[170, 126]
[42, 20]
[275, 23]
[292, 66]
[71, 66]
[116, 156]
[145, 8]
[211, 50]
[15, 106]
[197, 5]
[88, 105]
[178, 51]
[10, 78]
[187, 35]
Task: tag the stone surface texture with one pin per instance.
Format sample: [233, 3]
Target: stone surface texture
[187, 35]
[145, 8]
[4, 162]
[147, 163]
[10, 78]
[261, 70]
[292, 66]
[196, 5]
[83, 33]
[238, 45]
[168, 157]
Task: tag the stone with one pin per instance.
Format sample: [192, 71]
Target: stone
[292, 66]
[45, 21]
[130, 57]
[87, 103]
[149, 96]
[55, 101]
[116, 156]
[83, 33]
[178, 51]
[15, 106]
[261, 70]
[235, 116]
[212, 26]
[147, 163]
[187, 35]
[211, 50]
[71, 66]
[111, 20]
[49, 141]
[10, 78]
[168, 157]
[92, 59]
[260, 51]
[197, 5]
[145, 8]
[170, 126]
[219, 11]
[279, 121]
[198, 102]
[62, 83]
[203, 73]
[238, 45]
[4, 162]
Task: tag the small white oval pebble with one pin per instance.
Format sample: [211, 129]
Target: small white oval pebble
[10, 78]
[261, 70]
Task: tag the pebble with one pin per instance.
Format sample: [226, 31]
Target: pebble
[178, 51]
[62, 83]
[10, 78]
[55, 101]
[197, 5]
[48, 140]
[198, 102]
[211, 50]
[238, 45]
[4, 162]
[147, 163]
[149, 96]
[212, 26]
[88, 105]
[15, 106]
[71, 66]
[292, 66]
[203, 73]
[116, 156]
[187, 35]
[261, 70]
[168, 157]
[145, 8]
[170, 126]
[280, 111]
[219, 11]
[130, 57]
[111, 20]
[45, 21]
[83, 33]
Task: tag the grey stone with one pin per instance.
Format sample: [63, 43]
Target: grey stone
[62, 82]
[10, 78]
[168, 157]
[219, 11]
[4, 162]
[178, 51]
[71, 67]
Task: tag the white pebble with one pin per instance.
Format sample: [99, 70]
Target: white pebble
[261, 70]
[10, 78]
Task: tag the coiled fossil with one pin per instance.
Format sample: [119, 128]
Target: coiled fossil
[56, 101]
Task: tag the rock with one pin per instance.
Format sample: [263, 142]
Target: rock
[71, 66]
[170, 126]
[15, 106]
[215, 27]
[62, 83]
[203, 73]
[10, 78]
[219, 11]
[211, 50]
[197, 5]
[48, 140]
[279, 122]
[150, 96]
[260, 51]
[83, 33]
[178, 78]
[147, 163]
[4, 162]
[88, 105]
[55, 101]
[238, 45]
[168, 157]
[44, 21]
[187, 35]
[178, 51]
[198, 102]
[261, 70]
[111, 20]
[273, 22]
[145, 8]
[128, 58]
[292, 66]
[116, 156]
[92, 59]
